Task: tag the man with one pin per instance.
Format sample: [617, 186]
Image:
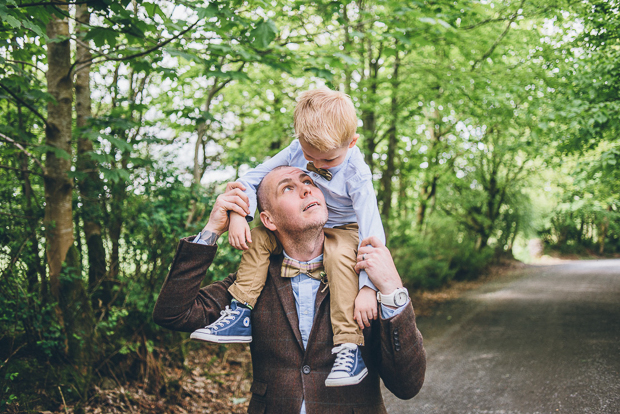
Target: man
[292, 340]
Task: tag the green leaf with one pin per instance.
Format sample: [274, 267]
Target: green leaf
[185, 55]
[100, 158]
[207, 12]
[12, 21]
[264, 33]
[60, 153]
[231, 75]
[321, 73]
[77, 174]
[153, 9]
[37, 29]
[346, 59]
[118, 143]
[445, 24]
[115, 175]
[101, 36]
[428, 20]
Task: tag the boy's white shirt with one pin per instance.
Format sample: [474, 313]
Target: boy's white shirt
[350, 195]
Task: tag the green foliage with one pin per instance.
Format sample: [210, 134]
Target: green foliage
[446, 252]
[473, 115]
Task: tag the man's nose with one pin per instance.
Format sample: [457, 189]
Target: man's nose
[305, 190]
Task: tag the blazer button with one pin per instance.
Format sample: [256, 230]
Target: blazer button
[306, 369]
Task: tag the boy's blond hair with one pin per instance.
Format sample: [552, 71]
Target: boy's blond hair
[325, 119]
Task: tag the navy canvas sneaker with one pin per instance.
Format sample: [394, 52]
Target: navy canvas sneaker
[234, 326]
[349, 368]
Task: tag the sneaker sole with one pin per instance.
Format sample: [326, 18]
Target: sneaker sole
[221, 339]
[341, 382]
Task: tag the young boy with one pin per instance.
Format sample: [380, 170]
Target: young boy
[325, 125]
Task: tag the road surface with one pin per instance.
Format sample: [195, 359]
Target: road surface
[545, 342]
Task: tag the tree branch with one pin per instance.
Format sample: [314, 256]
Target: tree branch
[18, 99]
[6, 167]
[499, 39]
[25, 63]
[35, 159]
[17, 216]
[143, 53]
[46, 3]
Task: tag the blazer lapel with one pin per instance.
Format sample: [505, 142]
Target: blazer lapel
[320, 297]
[285, 293]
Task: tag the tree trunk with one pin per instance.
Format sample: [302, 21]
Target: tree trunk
[90, 186]
[347, 45]
[429, 185]
[58, 186]
[388, 172]
[603, 232]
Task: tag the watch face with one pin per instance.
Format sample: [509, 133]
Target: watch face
[400, 299]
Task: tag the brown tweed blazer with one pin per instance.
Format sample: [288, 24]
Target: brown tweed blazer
[284, 373]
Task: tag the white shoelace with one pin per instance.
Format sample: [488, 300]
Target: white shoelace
[345, 358]
[227, 316]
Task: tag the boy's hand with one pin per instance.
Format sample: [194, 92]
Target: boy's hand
[365, 307]
[239, 232]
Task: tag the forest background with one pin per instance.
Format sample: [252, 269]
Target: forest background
[485, 123]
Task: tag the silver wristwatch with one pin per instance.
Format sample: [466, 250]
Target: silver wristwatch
[397, 298]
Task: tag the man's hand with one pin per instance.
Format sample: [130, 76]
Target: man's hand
[239, 232]
[365, 307]
[376, 260]
[234, 199]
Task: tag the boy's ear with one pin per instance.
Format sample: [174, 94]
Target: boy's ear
[354, 140]
[267, 221]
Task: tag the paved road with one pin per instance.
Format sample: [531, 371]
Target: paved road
[545, 342]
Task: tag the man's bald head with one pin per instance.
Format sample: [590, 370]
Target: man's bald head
[263, 193]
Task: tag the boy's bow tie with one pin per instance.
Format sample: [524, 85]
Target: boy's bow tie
[322, 172]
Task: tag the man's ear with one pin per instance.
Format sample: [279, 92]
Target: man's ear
[267, 220]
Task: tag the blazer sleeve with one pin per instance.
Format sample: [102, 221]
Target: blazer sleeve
[182, 305]
[403, 358]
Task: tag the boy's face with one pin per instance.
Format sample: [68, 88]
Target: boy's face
[326, 159]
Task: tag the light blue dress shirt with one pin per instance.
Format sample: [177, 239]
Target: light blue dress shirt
[350, 196]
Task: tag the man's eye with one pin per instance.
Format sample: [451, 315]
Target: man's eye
[309, 182]
[287, 188]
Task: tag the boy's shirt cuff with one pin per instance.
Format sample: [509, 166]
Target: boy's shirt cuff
[364, 280]
[387, 313]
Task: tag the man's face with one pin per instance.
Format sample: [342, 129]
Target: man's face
[295, 203]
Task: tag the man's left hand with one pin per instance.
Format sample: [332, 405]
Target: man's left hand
[376, 260]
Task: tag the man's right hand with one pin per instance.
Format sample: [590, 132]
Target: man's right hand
[234, 200]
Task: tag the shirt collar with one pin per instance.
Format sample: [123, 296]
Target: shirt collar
[316, 259]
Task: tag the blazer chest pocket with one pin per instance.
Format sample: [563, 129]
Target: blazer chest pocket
[257, 403]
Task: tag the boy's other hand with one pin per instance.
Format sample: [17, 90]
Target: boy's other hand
[365, 307]
[239, 232]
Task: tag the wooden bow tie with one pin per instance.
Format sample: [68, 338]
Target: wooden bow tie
[320, 171]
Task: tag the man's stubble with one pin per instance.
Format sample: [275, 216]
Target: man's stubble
[301, 233]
